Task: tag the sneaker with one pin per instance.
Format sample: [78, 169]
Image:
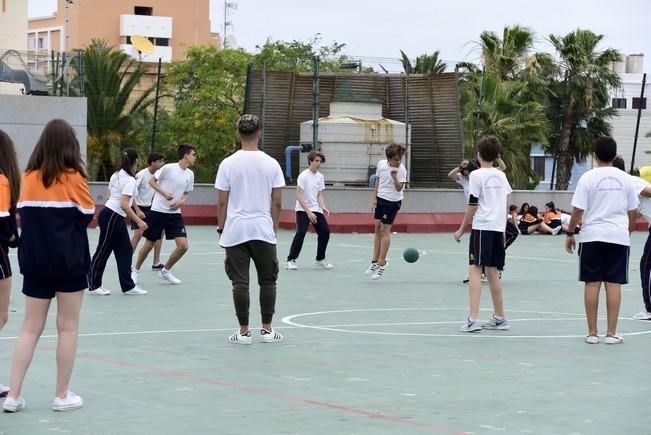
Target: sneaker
[291, 265]
[372, 268]
[134, 276]
[135, 291]
[556, 230]
[483, 277]
[613, 339]
[68, 403]
[158, 266]
[4, 390]
[270, 336]
[499, 274]
[494, 323]
[642, 315]
[13, 405]
[99, 291]
[592, 339]
[322, 264]
[167, 276]
[470, 326]
[238, 338]
[379, 271]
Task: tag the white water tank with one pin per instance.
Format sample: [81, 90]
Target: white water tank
[618, 67]
[635, 64]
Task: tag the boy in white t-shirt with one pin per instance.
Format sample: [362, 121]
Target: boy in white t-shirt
[143, 199]
[310, 208]
[390, 180]
[173, 184]
[487, 208]
[250, 184]
[606, 201]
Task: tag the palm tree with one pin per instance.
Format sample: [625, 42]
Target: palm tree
[507, 57]
[585, 96]
[425, 64]
[111, 80]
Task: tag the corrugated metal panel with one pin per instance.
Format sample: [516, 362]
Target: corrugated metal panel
[434, 113]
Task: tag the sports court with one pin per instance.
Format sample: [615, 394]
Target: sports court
[359, 356]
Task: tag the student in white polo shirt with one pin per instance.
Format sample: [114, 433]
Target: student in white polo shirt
[311, 209]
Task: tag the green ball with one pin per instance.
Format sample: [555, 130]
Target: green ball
[410, 255]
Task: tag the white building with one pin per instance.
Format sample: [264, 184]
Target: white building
[13, 24]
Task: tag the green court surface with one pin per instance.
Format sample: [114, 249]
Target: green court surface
[359, 356]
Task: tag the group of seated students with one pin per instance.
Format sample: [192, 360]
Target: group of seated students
[529, 220]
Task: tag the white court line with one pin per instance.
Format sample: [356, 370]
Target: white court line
[500, 334]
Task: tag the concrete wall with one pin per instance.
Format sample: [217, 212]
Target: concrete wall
[358, 200]
[23, 119]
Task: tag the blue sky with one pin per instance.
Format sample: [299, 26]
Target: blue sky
[380, 28]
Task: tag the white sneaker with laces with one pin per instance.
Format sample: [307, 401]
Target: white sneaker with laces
[99, 291]
[642, 315]
[134, 275]
[591, 339]
[291, 265]
[238, 338]
[613, 339]
[379, 271]
[323, 264]
[135, 291]
[270, 336]
[69, 402]
[371, 268]
[167, 276]
[13, 405]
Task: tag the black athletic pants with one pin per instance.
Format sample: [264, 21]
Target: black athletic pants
[322, 230]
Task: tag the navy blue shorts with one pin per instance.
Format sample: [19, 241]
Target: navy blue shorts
[386, 211]
[487, 249]
[603, 262]
[5, 265]
[171, 223]
[146, 210]
[46, 288]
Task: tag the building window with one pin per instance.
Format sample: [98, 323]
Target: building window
[539, 167]
[162, 42]
[619, 103]
[639, 103]
[143, 10]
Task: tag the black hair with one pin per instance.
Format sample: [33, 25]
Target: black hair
[9, 168]
[153, 156]
[533, 211]
[618, 162]
[605, 148]
[128, 159]
[522, 208]
[551, 205]
[248, 126]
[489, 148]
[512, 208]
[184, 149]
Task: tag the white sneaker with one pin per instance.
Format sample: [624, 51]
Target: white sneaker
[613, 339]
[592, 339]
[291, 265]
[238, 338]
[167, 276]
[483, 277]
[642, 315]
[99, 291]
[270, 336]
[134, 275]
[68, 403]
[4, 390]
[135, 291]
[379, 271]
[556, 230]
[323, 264]
[372, 268]
[13, 405]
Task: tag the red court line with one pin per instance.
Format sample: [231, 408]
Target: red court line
[270, 393]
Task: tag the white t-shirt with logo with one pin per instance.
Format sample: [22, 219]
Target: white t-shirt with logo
[121, 183]
[249, 177]
[492, 188]
[386, 187]
[606, 194]
[144, 192]
[174, 179]
[311, 183]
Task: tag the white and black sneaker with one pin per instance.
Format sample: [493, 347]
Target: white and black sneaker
[270, 336]
[238, 338]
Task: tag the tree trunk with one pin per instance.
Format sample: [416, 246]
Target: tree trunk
[565, 157]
